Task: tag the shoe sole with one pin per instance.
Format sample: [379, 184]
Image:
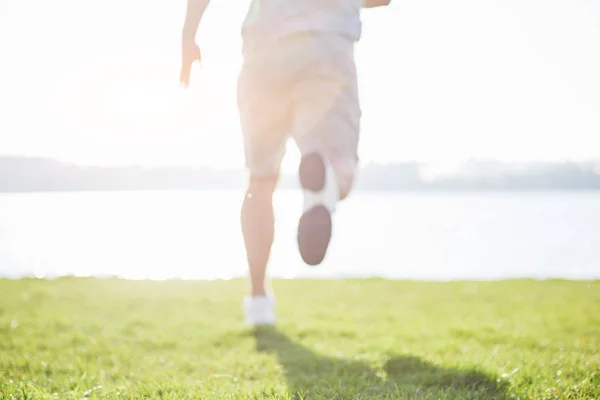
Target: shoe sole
[314, 227]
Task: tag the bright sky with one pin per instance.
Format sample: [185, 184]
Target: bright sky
[97, 82]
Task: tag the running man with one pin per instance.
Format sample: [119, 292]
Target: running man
[298, 79]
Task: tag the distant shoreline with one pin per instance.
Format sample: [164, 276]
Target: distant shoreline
[290, 189]
[33, 175]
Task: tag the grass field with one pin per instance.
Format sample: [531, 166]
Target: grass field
[372, 339]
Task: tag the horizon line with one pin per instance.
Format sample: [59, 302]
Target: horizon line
[361, 166]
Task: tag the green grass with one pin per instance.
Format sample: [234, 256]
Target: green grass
[372, 339]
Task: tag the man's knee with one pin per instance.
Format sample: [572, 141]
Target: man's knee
[345, 184]
[345, 169]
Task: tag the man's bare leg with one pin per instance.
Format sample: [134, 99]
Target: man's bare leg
[258, 226]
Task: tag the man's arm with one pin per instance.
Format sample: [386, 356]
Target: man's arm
[195, 11]
[375, 3]
[190, 52]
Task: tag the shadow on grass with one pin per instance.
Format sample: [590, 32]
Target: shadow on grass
[309, 374]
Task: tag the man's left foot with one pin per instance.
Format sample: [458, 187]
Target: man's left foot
[259, 310]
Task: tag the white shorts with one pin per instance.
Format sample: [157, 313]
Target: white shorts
[304, 87]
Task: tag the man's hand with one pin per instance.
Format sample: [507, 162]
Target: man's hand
[375, 3]
[190, 53]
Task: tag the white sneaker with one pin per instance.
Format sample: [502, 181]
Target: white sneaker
[259, 310]
[321, 194]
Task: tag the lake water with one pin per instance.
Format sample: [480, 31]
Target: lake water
[196, 235]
